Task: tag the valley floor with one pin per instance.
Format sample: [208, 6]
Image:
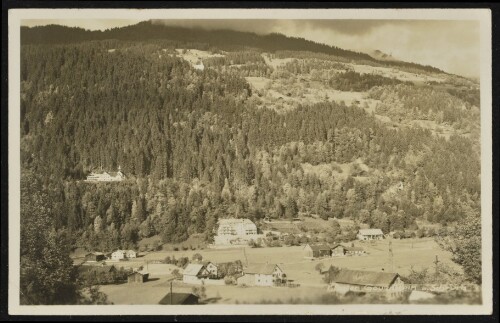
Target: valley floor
[408, 254]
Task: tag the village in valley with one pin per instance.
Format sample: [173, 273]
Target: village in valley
[239, 268]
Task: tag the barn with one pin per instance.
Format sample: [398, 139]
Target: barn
[367, 281]
[95, 256]
[137, 277]
[193, 273]
[317, 251]
[338, 250]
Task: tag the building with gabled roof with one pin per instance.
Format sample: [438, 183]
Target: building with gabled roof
[232, 231]
[347, 280]
[338, 250]
[193, 273]
[262, 275]
[95, 256]
[123, 254]
[138, 277]
[105, 176]
[354, 251]
[211, 268]
[317, 250]
[370, 234]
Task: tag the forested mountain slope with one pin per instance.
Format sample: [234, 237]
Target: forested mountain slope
[197, 145]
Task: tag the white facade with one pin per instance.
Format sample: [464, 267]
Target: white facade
[118, 255]
[122, 254]
[211, 269]
[104, 176]
[263, 275]
[199, 66]
[130, 254]
[194, 273]
[236, 231]
[370, 234]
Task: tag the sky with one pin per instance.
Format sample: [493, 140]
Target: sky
[451, 45]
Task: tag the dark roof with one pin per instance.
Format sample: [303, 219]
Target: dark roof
[178, 298]
[365, 278]
[318, 247]
[193, 269]
[205, 263]
[142, 273]
[264, 269]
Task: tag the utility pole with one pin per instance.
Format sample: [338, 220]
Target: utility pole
[171, 292]
[245, 254]
[436, 262]
[391, 255]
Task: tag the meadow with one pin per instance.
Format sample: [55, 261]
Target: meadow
[407, 255]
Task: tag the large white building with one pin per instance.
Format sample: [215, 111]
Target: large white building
[104, 176]
[235, 231]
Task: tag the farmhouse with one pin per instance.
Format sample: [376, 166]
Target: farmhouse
[137, 277]
[338, 250]
[94, 256]
[123, 254]
[130, 254]
[211, 269]
[370, 234]
[193, 273]
[353, 251]
[235, 231]
[104, 176]
[316, 251]
[367, 281]
[262, 275]
[179, 299]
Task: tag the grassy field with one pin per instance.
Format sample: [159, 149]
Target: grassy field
[410, 253]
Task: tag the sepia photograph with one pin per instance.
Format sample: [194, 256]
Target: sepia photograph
[250, 161]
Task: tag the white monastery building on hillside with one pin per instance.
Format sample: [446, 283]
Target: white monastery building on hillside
[235, 231]
[104, 176]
